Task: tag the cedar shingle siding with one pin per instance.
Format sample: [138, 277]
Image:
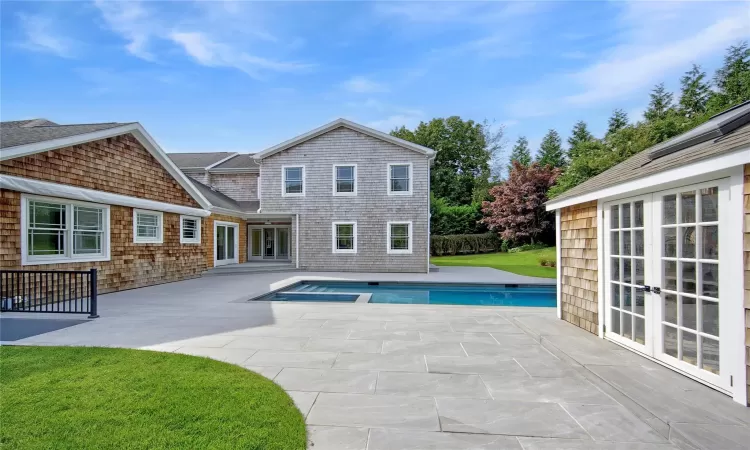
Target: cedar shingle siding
[208, 236]
[372, 208]
[578, 249]
[119, 165]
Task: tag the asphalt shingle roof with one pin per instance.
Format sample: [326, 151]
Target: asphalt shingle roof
[197, 160]
[243, 161]
[641, 165]
[220, 200]
[23, 132]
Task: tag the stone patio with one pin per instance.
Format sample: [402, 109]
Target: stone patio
[379, 376]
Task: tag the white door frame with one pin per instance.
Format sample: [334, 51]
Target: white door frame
[236, 227]
[262, 228]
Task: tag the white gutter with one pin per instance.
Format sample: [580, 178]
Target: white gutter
[48, 189]
[296, 241]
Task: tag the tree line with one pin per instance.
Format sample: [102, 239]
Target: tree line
[470, 195]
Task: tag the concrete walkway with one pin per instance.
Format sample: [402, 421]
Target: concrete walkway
[379, 376]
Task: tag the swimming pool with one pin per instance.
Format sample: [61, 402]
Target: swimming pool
[418, 293]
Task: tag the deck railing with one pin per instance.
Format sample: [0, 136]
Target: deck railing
[49, 291]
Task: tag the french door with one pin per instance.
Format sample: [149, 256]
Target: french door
[663, 278]
[226, 242]
[269, 243]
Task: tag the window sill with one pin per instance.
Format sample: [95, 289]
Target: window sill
[292, 195]
[399, 252]
[344, 252]
[190, 242]
[141, 241]
[399, 193]
[41, 262]
[344, 194]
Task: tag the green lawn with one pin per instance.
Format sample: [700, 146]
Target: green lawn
[522, 263]
[102, 398]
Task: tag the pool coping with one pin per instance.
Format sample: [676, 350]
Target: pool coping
[365, 297]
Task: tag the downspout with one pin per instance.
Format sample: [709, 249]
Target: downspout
[429, 213]
[558, 256]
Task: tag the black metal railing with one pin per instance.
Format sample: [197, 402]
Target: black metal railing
[49, 291]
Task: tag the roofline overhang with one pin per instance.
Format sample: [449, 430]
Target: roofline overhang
[221, 161]
[247, 215]
[705, 167]
[347, 124]
[136, 129]
[235, 170]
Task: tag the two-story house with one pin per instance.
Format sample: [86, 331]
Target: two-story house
[342, 197]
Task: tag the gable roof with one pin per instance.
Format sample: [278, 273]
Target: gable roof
[338, 123]
[22, 132]
[220, 200]
[24, 139]
[237, 162]
[199, 160]
[644, 164]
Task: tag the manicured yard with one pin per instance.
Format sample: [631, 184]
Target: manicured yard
[103, 398]
[522, 263]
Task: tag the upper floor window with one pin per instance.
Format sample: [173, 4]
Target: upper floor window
[57, 232]
[148, 227]
[190, 230]
[293, 181]
[344, 237]
[399, 179]
[345, 179]
[399, 237]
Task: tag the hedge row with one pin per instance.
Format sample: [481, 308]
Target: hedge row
[464, 244]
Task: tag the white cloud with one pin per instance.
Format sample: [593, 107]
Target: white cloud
[363, 85]
[213, 54]
[409, 120]
[656, 42]
[40, 36]
[133, 22]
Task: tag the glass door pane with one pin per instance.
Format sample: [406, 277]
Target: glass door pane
[283, 243]
[269, 247]
[221, 240]
[231, 231]
[627, 315]
[256, 242]
[689, 259]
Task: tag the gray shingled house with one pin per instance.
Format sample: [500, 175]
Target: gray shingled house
[654, 253]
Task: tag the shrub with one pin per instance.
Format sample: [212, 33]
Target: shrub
[504, 246]
[448, 219]
[527, 247]
[464, 244]
[547, 262]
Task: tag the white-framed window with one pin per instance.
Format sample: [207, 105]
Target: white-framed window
[292, 181]
[345, 179]
[60, 231]
[344, 236]
[190, 230]
[399, 238]
[148, 227]
[399, 178]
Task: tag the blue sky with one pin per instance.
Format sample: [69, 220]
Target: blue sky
[241, 76]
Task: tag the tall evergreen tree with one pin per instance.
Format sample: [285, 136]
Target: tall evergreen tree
[550, 150]
[579, 135]
[617, 121]
[695, 92]
[520, 153]
[660, 104]
[732, 79]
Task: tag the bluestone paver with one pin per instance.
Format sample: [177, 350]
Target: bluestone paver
[392, 411]
[327, 380]
[431, 385]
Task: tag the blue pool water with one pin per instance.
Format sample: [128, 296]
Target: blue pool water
[423, 293]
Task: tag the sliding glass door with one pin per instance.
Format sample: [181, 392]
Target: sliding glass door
[270, 243]
[226, 239]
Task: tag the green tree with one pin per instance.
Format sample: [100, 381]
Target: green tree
[579, 135]
[732, 79]
[660, 103]
[462, 159]
[520, 153]
[617, 121]
[695, 92]
[551, 152]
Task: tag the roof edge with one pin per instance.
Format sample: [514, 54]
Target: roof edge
[347, 124]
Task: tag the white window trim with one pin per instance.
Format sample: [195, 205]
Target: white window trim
[333, 236]
[236, 258]
[411, 178]
[140, 240]
[344, 194]
[388, 241]
[283, 180]
[27, 260]
[198, 230]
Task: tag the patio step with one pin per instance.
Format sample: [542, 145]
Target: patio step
[238, 269]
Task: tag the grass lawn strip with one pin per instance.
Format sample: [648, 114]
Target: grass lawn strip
[106, 398]
[521, 263]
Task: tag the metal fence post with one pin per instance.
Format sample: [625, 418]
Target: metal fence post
[92, 284]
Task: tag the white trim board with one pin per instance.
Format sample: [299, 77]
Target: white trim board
[136, 129]
[703, 170]
[346, 124]
[89, 195]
